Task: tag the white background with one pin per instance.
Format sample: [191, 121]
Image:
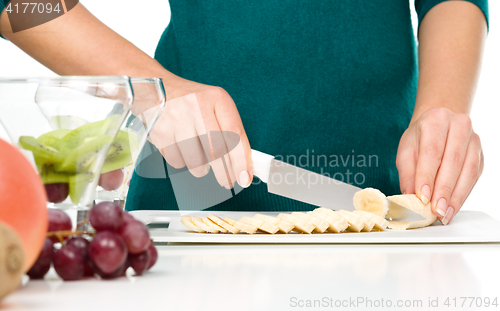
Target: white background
[142, 23]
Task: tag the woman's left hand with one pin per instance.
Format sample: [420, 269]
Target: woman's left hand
[440, 159]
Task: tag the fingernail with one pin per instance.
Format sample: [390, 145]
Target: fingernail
[441, 207]
[449, 214]
[425, 194]
[244, 179]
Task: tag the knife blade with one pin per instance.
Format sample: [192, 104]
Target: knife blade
[299, 184]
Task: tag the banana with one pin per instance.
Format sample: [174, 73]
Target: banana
[198, 222]
[342, 220]
[223, 224]
[261, 224]
[355, 224]
[319, 224]
[336, 225]
[380, 223]
[413, 203]
[371, 200]
[369, 223]
[213, 225]
[300, 224]
[283, 225]
[186, 221]
[242, 226]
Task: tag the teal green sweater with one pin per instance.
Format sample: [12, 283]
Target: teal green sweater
[329, 83]
[317, 79]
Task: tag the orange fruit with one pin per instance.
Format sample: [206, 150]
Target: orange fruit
[23, 201]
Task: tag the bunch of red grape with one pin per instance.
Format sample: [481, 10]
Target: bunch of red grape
[120, 242]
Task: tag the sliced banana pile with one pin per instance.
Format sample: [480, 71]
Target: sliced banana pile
[371, 209]
[321, 220]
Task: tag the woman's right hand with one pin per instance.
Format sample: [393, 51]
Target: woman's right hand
[199, 126]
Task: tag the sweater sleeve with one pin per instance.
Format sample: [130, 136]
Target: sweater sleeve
[423, 6]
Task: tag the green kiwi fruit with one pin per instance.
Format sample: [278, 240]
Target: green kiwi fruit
[82, 157]
[48, 174]
[120, 151]
[40, 149]
[77, 185]
[82, 134]
[51, 138]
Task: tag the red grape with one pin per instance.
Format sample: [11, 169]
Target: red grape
[81, 244]
[108, 251]
[58, 221]
[154, 256]
[69, 263]
[111, 180]
[58, 192]
[106, 216]
[140, 262]
[118, 272]
[136, 236]
[42, 264]
[127, 217]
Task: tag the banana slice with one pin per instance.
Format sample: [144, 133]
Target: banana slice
[371, 200]
[261, 224]
[283, 225]
[369, 223]
[269, 219]
[213, 225]
[340, 219]
[223, 224]
[411, 201]
[198, 222]
[242, 226]
[186, 221]
[300, 224]
[336, 225]
[380, 223]
[319, 224]
[355, 224]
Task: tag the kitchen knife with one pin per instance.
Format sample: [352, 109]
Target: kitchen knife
[302, 185]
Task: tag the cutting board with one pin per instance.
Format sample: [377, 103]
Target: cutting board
[467, 227]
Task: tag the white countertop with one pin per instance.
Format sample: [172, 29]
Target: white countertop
[267, 277]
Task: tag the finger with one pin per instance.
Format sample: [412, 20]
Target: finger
[452, 163]
[469, 175]
[191, 149]
[162, 136]
[212, 141]
[433, 132]
[406, 162]
[230, 123]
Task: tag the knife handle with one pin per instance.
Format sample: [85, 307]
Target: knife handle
[261, 165]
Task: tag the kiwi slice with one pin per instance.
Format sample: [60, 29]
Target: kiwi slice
[51, 138]
[81, 135]
[77, 185]
[120, 151]
[40, 149]
[78, 160]
[48, 174]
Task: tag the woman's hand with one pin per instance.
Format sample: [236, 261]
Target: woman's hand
[200, 128]
[440, 159]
